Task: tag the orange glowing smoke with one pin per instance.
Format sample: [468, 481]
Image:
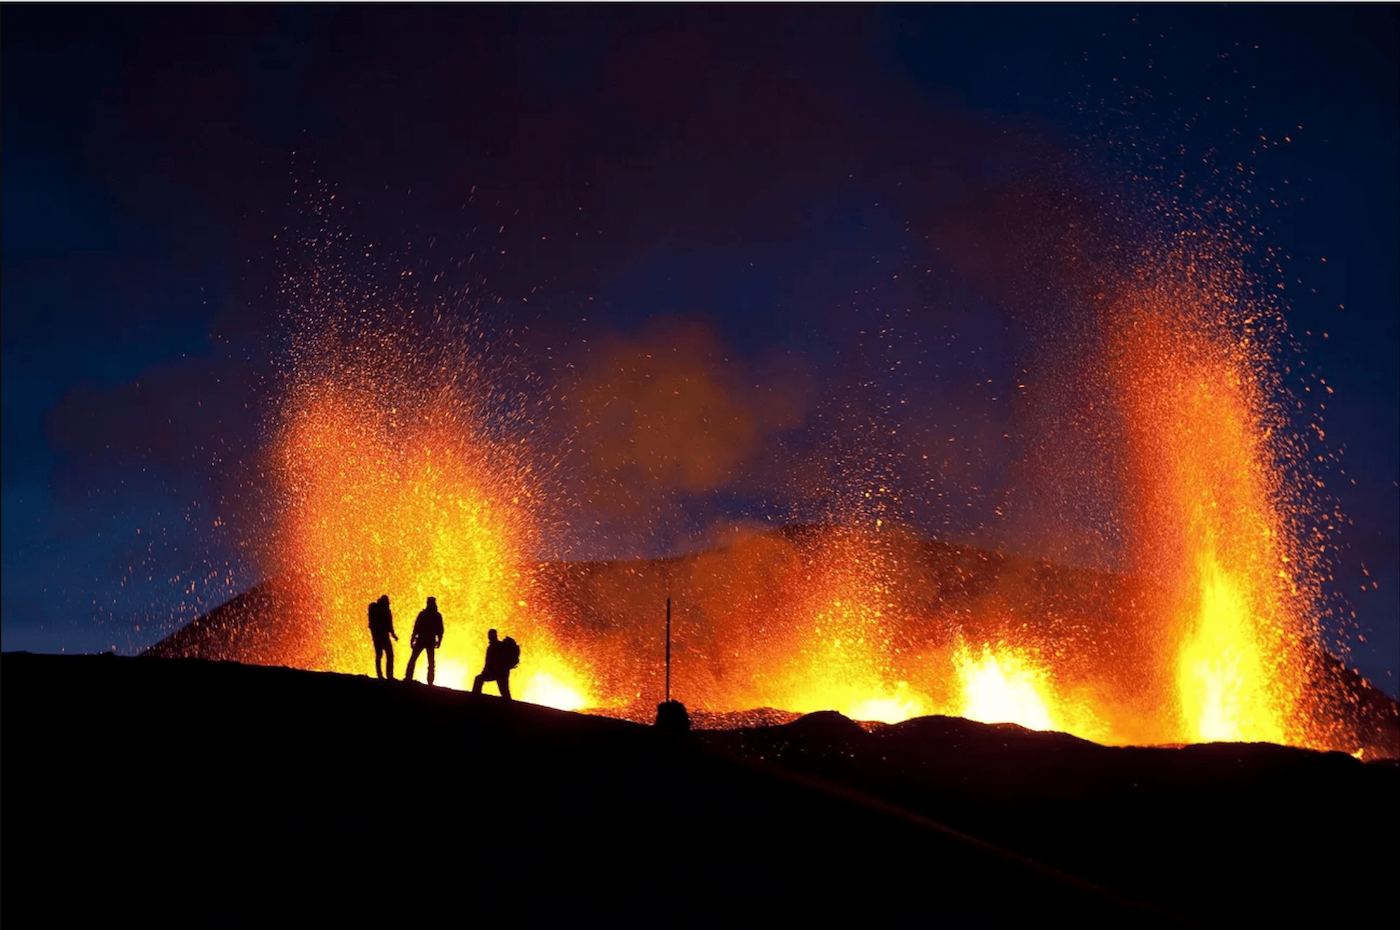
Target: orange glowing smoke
[410, 499]
[1211, 508]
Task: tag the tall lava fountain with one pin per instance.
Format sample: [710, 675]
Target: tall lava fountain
[396, 469]
[1214, 516]
[402, 464]
[415, 502]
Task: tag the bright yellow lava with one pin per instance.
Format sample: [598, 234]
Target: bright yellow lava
[1003, 687]
[839, 666]
[887, 704]
[1224, 682]
[411, 505]
[1213, 510]
[891, 707]
[551, 682]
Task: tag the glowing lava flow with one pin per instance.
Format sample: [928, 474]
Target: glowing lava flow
[390, 491]
[837, 669]
[838, 675]
[1010, 685]
[413, 503]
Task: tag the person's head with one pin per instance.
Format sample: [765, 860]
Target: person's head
[384, 599]
[432, 603]
[491, 635]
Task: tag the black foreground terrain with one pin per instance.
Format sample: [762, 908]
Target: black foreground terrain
[196, 793]
[1224, 833]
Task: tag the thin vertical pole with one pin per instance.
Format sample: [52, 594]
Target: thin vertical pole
[668, 650]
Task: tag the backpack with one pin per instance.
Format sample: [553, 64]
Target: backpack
[512, 652]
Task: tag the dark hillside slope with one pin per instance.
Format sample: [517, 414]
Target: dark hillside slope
[1225, 832]
[196, 793]
[731, 600]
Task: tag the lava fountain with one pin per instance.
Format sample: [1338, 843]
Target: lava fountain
[1004, 687]
[1207, 473]
[410, 472]
[839, 652]
[390, 489]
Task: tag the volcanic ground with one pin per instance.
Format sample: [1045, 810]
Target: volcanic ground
[1098, 624]
[197, 792]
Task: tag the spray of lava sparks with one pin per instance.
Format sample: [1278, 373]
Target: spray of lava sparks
[1207, 469]
[839, 650]
[392, 479]
[401, 492]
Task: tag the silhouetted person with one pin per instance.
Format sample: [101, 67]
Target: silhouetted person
[427, 634]
[381, 628]
[502, 655]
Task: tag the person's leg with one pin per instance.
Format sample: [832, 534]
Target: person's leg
[389, 661]
[476, 685]
[431, 650]
[504, 682]
[378, 652]
[412, 661]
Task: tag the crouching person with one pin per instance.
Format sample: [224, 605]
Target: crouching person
[502, 655]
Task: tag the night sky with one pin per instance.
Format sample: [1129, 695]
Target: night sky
[806, 205]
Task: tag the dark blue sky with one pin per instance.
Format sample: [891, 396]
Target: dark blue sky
[779, 176]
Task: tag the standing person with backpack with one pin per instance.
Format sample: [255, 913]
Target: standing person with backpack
[381, 627]
[502, 655]
[427, 634]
